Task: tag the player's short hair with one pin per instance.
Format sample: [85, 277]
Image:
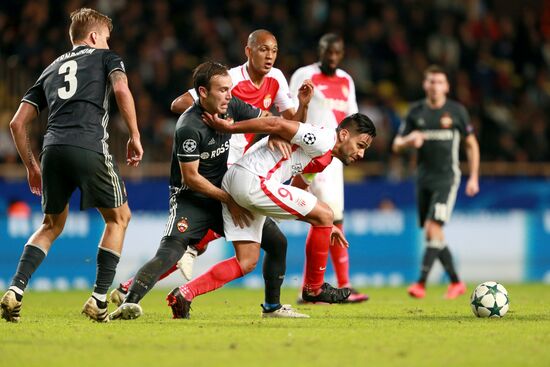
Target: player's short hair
[253, 37]
[84, 20]
[203, 74]
[358, 123]
[328, 39]
[435, 69]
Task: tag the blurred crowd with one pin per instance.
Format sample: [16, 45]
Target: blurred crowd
[497, 56]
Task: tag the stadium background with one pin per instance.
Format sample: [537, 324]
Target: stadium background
[498, 56]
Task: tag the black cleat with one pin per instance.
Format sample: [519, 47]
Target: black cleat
[328, 294]
[180, 306]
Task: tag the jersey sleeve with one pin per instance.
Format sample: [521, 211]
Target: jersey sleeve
[465, 127]
[296, 81]
[283, 99]
[188, 144]
[112, 62]
[352, 99]
[240, 110]
[315, 141]
[407, 125]
[36, 96]
[193, 94]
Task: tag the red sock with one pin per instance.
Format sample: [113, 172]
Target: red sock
[317, 244]
[340, 262]
[208, 237]
[127, 284]
[218, 275]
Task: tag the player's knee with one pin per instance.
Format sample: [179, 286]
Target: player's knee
[120, 217]
[52, 226]
[323, 215]
[248, 264]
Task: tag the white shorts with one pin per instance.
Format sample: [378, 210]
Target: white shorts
[264, 198]
[328, 186]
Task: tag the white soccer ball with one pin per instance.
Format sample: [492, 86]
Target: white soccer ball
[490, 299]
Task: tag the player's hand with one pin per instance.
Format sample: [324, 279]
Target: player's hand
[217, 123]
[134, 152]
[337, 238]
[34, 177]
[305, 93]
[283, 146]
[472, 186]
[416, 139]
[241, 216]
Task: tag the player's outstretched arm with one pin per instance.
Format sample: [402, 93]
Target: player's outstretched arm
[125, 102]
[305, 93]
[472, 153]
[182, 103]
[19, 127]
[415, 139]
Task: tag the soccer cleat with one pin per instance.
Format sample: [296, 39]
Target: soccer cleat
[284, 312]
[328, 294]
[356, 297]
[10, 307]
[126, 311]
[117, 296]
[455, 289]
[185, 264]
[180, 306]
[417, 290]
[96, 310]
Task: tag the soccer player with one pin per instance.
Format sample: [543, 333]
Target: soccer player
[334, 99]
[199, 161]
[434, 126]
[76, 88]
[256, 182]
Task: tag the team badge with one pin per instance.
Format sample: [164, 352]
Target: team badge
[189, 145]
[205, 155]
[309, 138]
[446, 121]
[182, 225]
[267, 101]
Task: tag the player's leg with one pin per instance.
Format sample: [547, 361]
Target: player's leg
[185, 264]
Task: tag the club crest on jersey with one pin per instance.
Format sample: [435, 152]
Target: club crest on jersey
[446, 121]
[189, 145]
[267, 101]
[182, 225]
[296, 168]
[309, 138]
[205, 155]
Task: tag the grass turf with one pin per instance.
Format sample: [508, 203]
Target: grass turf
[226, 329]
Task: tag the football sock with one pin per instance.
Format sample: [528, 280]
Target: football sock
[218, 275]
[317, 245]
[209, 237]
[340, 262]
[31, 258]
[169, 252]
[107, 261]
[446, 259]
[431, 253]
[274, 244]
[127, 284]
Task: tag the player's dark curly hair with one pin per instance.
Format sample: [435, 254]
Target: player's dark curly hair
[358, 123]
[203, 74]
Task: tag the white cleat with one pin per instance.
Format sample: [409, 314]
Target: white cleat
[10, 307]
[285, 312]
[117, 297]
[185, 264]
[94, 312]
[126, 311]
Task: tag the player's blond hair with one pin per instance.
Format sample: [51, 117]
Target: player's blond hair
[85, 20]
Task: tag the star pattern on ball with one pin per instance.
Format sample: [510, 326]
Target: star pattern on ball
[495, 310]
[492, 289]
[476, 302]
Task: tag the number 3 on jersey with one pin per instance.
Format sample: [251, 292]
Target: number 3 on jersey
[69, 70]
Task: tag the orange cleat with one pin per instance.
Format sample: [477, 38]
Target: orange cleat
[417, 290]
[455, 289]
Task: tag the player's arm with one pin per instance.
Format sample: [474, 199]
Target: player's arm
[415, 139]
[126, 106]
[19, 126]
[304, 97]
[182, 103]
[472, 153]
[303, 181]
[198, 183]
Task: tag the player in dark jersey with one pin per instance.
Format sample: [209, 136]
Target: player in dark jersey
[434, 127]
[76, 89]
[199, 162]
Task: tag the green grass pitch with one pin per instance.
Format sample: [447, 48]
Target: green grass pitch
[226, 330]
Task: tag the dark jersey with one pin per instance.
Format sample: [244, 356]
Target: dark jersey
[438, 163]
[194, 140]
[75, 88]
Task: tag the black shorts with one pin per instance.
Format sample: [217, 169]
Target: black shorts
[65, 167]
[436, 203]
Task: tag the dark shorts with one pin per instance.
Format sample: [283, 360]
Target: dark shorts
[65, 168]
[436, 203]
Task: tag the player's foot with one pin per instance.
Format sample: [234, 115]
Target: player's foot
[328, 294]
[356, 297]
[126, 311]
[180, 306]
[117, 296]
[417, 290]
[285, 311]
[185, 264]
[455, 289]
[10, 307]
[96, 310]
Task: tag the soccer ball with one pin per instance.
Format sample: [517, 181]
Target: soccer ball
[490, 299]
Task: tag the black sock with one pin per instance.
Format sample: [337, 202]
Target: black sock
[274, 244]
[427, 262]
[446, 259]
[107, 262]
[169, 252]
[31, 258]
